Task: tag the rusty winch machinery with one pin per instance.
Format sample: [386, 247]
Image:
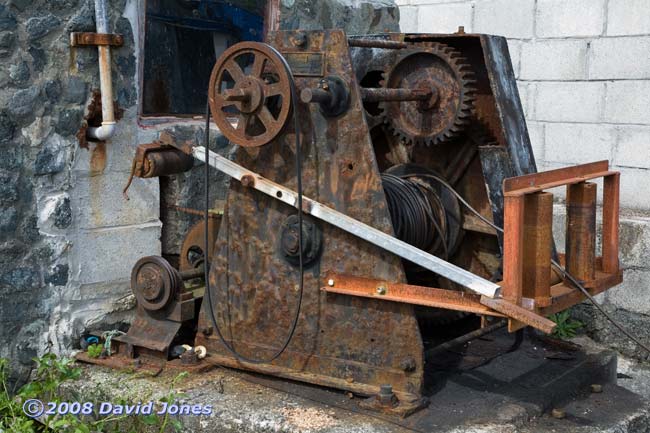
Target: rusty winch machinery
[383, 186]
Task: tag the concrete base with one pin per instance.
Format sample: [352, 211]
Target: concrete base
[482, 389]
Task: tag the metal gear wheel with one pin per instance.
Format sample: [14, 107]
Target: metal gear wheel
[448, 74]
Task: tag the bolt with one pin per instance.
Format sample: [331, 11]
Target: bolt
[381, 290]
[386, 396]
[247, 180]
[596, 388]
[324, 84]
[461, 30]
[408, 364]
[558, 413]
[330, 283]
[298, 40]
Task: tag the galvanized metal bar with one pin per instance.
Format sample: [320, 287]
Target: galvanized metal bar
[350, 225]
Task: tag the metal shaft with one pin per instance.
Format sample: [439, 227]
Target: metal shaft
[369, 94]
[192, 273]
[350, 225]
[319, 96]
[375, 43]
[464, 339]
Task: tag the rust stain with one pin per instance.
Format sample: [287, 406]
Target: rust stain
[98, 159]
[97, 188]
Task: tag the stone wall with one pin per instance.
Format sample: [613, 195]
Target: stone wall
[583, 72]
[68, 239]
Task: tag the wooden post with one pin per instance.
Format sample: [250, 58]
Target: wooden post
[538, 236]
[513, 239]
[581, 230]
[610, 223]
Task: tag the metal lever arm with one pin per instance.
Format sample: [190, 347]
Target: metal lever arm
[350, 225]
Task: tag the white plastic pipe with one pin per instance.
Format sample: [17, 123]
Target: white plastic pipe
[107, 129]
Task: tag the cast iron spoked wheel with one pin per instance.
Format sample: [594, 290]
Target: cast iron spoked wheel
[249, 83]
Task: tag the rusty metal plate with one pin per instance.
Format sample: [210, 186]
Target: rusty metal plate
[78, 39]
[147, 332]
[306, 64]
[346, 342]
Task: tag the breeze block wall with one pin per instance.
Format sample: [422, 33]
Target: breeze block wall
[583, 73]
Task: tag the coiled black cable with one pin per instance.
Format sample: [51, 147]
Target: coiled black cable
[417, 213]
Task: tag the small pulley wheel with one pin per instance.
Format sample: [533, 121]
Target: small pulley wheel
[250, 86]
[154, 282]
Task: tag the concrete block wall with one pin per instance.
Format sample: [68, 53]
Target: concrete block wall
[583, 73]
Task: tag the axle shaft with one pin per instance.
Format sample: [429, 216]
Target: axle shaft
[369, 94]
[375, 43]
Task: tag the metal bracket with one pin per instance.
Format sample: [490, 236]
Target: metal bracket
[357, 228]
[78, 39]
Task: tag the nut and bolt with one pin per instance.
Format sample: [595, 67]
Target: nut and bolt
[189, 357]
[408, 364]
[381, 290]
[247, 180]
[298, 40]
[386, 396]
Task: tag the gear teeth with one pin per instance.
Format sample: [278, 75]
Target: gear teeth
[464, 75]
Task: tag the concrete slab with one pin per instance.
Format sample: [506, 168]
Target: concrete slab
[478, 389]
